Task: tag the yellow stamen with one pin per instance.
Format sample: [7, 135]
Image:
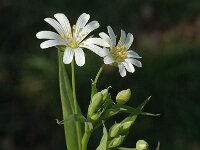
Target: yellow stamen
[122, 56]
[74, 27]
[62, 35]
[73, 44]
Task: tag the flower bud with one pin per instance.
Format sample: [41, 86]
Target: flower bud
[96, 102]
[142, 145]
[116, 141]
[105, 94]
[126, 126]
[114, 130]
[123, 96]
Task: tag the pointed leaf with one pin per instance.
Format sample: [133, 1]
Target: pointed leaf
[103, 142]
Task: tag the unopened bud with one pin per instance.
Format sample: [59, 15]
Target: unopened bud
[116, 141]
[96, 102]
[114, 130]
[126, 126]
[105, 94]
[142, 145]
[123, 96]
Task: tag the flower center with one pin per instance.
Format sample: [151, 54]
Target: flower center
[73, 44]
[119, 52]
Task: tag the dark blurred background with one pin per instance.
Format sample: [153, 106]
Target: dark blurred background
[167, 36]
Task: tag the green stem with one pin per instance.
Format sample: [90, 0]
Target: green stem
[86, 138]
[75, 103]
[74, 88]
[98, 74]
[88, 132]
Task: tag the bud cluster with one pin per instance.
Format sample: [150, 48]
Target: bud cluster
[99, 102]
[118, 132]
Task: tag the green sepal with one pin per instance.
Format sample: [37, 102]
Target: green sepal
[103, 142]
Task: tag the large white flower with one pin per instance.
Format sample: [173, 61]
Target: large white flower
[72, 38]
[119, 53]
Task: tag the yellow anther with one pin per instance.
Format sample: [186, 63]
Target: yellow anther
[113, 47]
[74, 27]
[120, 53]
[124, 53]
[62, 35]
[69, 33]
[86, 33]
[124, 47]
[73, 44]
[122, 56]
[79, 38]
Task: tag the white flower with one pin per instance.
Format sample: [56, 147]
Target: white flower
[72, 38]
[119, 53]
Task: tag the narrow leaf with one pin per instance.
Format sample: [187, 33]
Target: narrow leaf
[103, 142]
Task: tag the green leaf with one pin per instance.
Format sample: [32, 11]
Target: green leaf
[133, 115]
[103, 142]
[74, 118]
[115, 109]
[71, 132]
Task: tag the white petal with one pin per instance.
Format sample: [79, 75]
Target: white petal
[64, 22]
[122, 38]
[112, 35]
[50, 43]
[82, 21]
[79, 57]
[108, 60]
[129, 67]
[49, 35]
[134, 62]
[55, 25]
[89, 28]
[102, 52]
[68, 55]
[132, 54]
[129, 40]
[105, 37]
[122, 70]
[97, 41]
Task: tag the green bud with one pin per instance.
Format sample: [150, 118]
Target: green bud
[105, 94]
[96, 115]
[96, 102]
[114, 130]
[142, 145]
[123, 96]
[126, 126]
[116, 141]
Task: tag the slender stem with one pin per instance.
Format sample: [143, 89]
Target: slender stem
[74, 87]
[98, 74]
[86, 138]
[75, 101]
[88, 132]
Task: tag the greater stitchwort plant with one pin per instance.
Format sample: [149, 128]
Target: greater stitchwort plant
[70, 42]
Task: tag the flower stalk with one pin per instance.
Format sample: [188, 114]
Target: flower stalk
[78, 128]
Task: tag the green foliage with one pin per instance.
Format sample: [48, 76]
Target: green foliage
[29, 82]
